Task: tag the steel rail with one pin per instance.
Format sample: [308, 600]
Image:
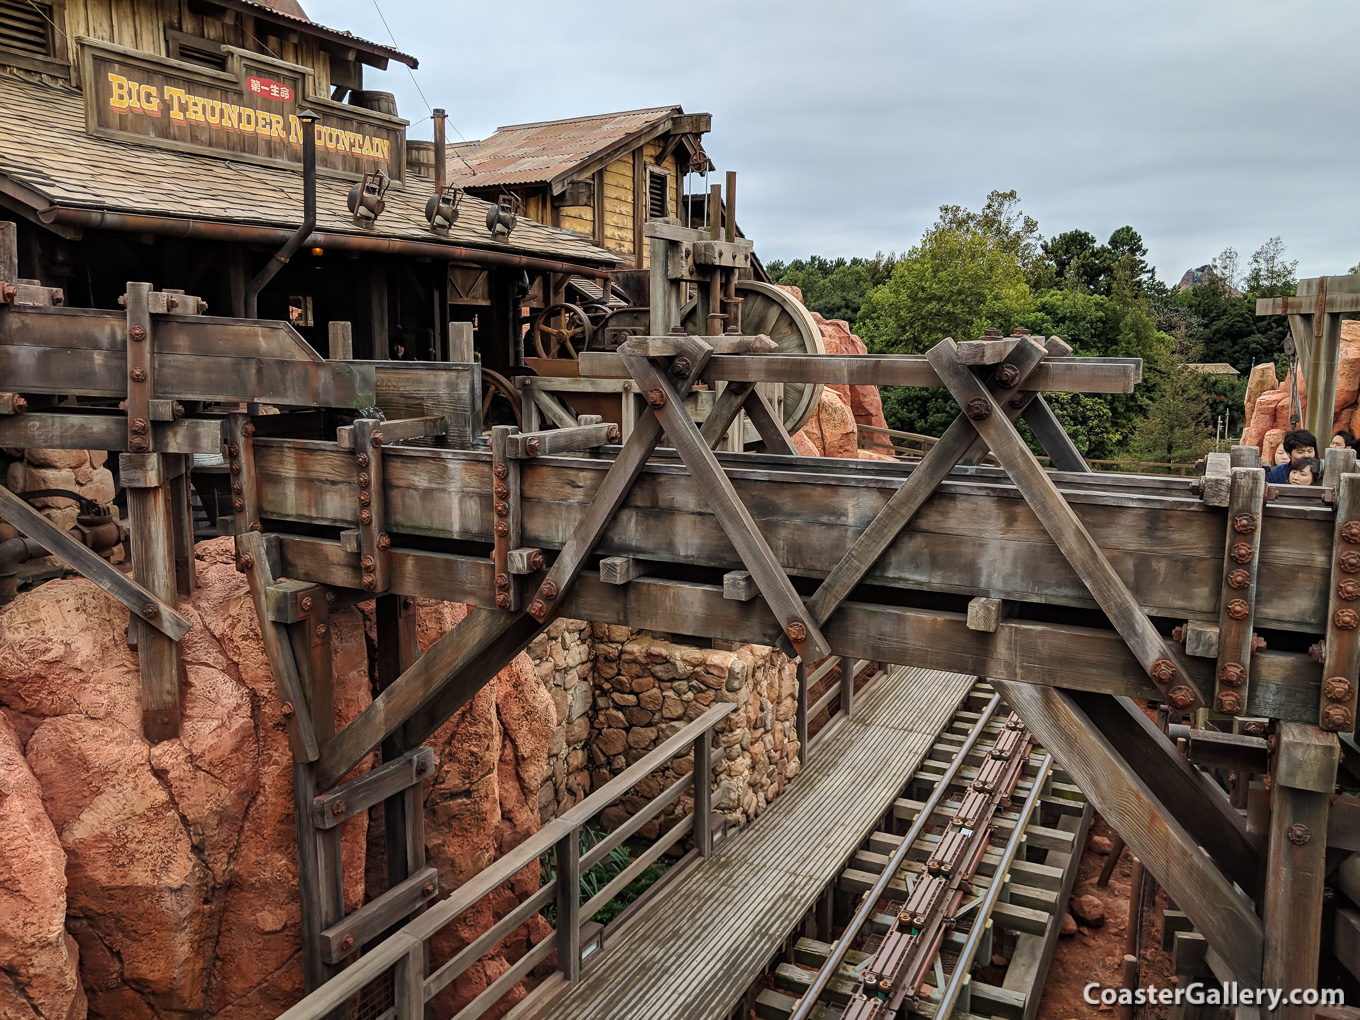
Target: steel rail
[989, 898]
[808, 1002]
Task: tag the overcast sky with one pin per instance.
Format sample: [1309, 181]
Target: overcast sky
[1201, 124]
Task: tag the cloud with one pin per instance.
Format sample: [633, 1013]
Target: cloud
[1201, 125]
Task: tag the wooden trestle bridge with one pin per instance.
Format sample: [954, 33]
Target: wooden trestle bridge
[1069, 590]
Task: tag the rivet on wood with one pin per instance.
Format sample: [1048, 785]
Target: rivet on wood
[1299, 833]
[320, 630]
[363, 479]
[1337, 717]
[239, 505]
[338, 808]
[681, 367]
[247, 430]
[502, 529]
[428, 888]
[365, 516]
[532, 447]
[1239, 579]
[233, 450]
[501, 490]
[140, 426]
[256, 526]
[408, 603]
[1007, 376]
[978, 408]
[656, 398]
[236, 488]
[384, 541]
[364, 498]
[347, 943]
[797, 633]
[305, 603]
[548, 590]
[502, 581]
[362, 460]
[500, 471]
[1181, 697]
[538, 609]
[1350, 532]
[1348, 588]
[246, 562]
[137, 333]
[1244, 524]
[536, 560]
[503, 600]
[369, 582]
[138, 444]
[332, 599]
[376, 438]
[1233, 674]
[1239, 609]
[502, 508]
[1346, 619]
[367, 563]
[1242, 552]
[287, 709]
[1229, 702]
[235, 467]
[1337, 688]
[151, 610]
[613, 434]
[138, 375]
[1163, 670]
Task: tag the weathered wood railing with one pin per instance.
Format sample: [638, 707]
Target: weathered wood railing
[403, 955]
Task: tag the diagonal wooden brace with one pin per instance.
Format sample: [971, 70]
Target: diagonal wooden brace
[93, 566]
[618, 481]
[795, 621]
[1021, 402]
[957, 441]
[1161, 660]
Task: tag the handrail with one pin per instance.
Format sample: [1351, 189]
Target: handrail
[406, 944]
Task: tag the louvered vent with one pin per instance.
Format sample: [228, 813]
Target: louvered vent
[26, 27]
[658, 199]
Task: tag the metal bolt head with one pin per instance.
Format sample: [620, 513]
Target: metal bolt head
[151, 610]
[364, 479]
[234, 467]
[1229, 702]
[1234, 674]
[532, 447]
[1242, 552]
[365, 516]
[18, 404]
[139, 444]
[245, 562]
[332, 599]
[236, 488]
[1350, 532]
[797, 633]
[538, 609]
[613, 434]
[10, 292]
[137, 333]
[362, 460]
[1346, 619]
[502, 508]
[384, 541]
[320, 630]
[233, 450]
[1244, 524]
[364, 497]
[1163, 670]
[1299, 833]
[1181, 697]
[1348, 588]
[1349, 561]
[1007, 376]
[1258, 643]
[1337, 718]
[1317, 651]
[376, 438]
[656, 398]
[138, 375]
[338, 808]
[978, 408]
[501, 490]
[256, 526]
[139, 426]
[287, 709]
[428, 889]
[681, 367]
[408, 603]
[1178, 633]
[239, 505]
[347, 943]
[548, 590]
[368, 563]
[247, 430]
[1239, 609]
[536, 560]
[503, 600]
[369, 582]
[1239, 579]
[1337, 688]
[500, 471]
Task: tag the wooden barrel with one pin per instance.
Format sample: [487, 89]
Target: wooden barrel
[420, 158]
[379, 102]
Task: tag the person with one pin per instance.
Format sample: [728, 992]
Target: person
[397, 352]
[1281, 455]
[1305, 471]
[1342, 439]
[1299, 444]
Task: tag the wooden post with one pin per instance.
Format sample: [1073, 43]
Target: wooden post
[1304, 776]
[9, 251]
[377, 308]
[151, 529]
[801, 716]
[397, 651]
[460, 342]
[182, 512]
[341, 336]
[847, 685]
[703, 794]
[568, 858]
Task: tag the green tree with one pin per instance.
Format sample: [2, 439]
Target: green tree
[1002, 220]
[1271, 274]
[1176, 424]
[834, 288]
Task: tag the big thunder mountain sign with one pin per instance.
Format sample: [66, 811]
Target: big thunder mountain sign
[248, 112]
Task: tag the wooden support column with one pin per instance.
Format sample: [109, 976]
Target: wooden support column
[374, 559]
[1336, 712]
[182, 513]
[567, 855]
[1062, 452]
[800, 719]
[848, 685]
[1303, 778]
[703, 793]
[397, 651]
[1237, 603]
[505, 502]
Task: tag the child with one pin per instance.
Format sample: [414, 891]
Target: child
[1305, 471]
[1299, 444]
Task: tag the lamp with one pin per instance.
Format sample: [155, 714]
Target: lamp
[365, 199]
[502, 217]
[442, 208]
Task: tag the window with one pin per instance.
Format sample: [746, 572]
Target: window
[27, 28]
[658, 192]
[300, 309]
[194, 50]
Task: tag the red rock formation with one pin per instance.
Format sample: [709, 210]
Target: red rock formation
[1267, 399]
[831, 431]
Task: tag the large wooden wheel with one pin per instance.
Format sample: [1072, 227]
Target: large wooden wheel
[500, 401]
[561, 331]
[767, 309]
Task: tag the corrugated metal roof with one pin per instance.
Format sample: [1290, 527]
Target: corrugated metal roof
[537, 153]
[291, 11]
[44, 148]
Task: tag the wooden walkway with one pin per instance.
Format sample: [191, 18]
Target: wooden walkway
[715, 931]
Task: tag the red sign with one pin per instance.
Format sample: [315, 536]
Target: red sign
[269, 89]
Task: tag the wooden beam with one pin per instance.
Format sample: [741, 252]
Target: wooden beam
[1062, 452]
[1337, 708]
[1163, 662]
[1150, 830]
[985, 613]
[621, 569]
[1237, 603]
[397, 430]
[739, 586]
[141, 602]
[49, 431]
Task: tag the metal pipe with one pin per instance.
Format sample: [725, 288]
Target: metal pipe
[809, 1000]
[14, 551]
[213, 230]
[731, 217]
[440, 170]
[280, 258]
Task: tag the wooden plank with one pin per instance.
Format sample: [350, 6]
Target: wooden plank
[377, 784]
[986, 352]
[1241, 558]
[1341, 684]
[377, 915]
[903, 505]
[1086, 558]
[370, 478]
[739, 586]
[151, 543]
[769, 426]
[985, 613]
[1062, 452]
[1151, 831]
[669, 345]
[398, 430]
[568, 439]
[728, 405]
[621, 569]
[796, 625]
[139, 600]
[549, 406]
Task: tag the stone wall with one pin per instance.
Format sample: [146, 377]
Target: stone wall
[82, 471]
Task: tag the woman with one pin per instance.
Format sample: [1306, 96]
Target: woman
[1306, 471]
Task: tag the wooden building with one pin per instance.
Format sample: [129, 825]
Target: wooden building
[161, 140]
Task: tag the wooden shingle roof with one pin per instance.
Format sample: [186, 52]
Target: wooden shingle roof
[47, 161]
[547, 152]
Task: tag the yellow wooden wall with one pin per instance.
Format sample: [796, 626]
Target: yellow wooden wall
[618, 204]
[141, 25]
